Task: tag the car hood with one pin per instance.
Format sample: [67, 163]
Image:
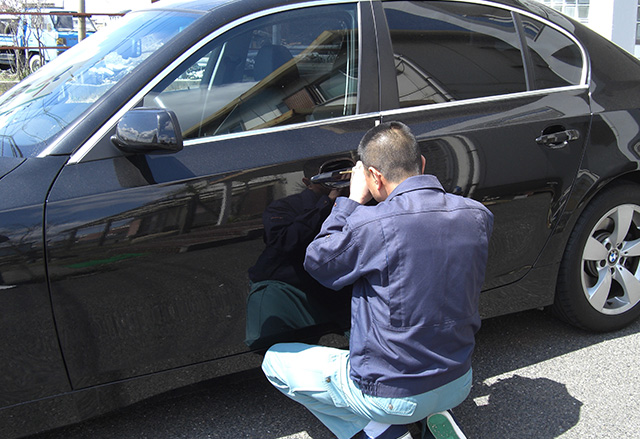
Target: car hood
[9, 164]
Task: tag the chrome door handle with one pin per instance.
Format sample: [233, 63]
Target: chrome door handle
[559, 139]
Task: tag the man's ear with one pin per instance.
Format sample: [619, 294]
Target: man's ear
[377, 176]
[424, 163]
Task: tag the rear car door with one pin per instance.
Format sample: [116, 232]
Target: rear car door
[499, 104]
[149, 254]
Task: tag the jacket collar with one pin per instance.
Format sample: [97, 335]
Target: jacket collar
[417, 182]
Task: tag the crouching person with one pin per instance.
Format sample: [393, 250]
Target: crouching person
[416, 261]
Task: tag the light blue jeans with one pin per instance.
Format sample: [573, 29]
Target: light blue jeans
[318, 378]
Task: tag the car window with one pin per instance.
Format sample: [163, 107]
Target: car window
[447, 51]
[285, 68]
[556, 59]
[46, 102]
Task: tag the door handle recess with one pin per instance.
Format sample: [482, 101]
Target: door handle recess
[558, 139]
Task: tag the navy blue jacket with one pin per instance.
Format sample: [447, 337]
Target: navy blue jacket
[417, 263]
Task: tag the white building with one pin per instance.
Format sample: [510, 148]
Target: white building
[95, 6]
[108, 7]
[99, 7]
[618, 20]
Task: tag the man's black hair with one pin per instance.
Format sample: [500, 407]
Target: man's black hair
[392, 149]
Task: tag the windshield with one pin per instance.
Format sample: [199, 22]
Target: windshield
[42, 105]
[70, 23]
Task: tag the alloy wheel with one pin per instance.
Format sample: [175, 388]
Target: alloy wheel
[610, 261]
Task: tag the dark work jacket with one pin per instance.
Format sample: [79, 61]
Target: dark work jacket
[417, 263]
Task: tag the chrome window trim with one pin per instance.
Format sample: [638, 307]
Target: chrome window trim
[486, 99]
[281, 128]
[297, 126]
[81, 153]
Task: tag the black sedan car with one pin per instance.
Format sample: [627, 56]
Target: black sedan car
[138, 172]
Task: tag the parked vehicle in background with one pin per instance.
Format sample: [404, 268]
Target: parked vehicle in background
[42, 34]
[136, 167]
[8, 38]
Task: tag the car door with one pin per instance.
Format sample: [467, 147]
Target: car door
[499, 104]
[149, 254]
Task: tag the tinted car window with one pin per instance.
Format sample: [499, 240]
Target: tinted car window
[556, 59]
[447, 51]
[285, 68]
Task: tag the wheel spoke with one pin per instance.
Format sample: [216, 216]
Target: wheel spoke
[631, 248]
[630, 284]
[599, 293]
[622, 218]
[595, 250]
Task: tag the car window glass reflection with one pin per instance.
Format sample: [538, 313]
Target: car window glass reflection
[46, 102]
[556, 59]
[286, 68]
[452, 51]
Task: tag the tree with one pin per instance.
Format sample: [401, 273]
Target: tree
[15, 19]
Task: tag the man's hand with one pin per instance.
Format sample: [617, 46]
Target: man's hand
[358, 189]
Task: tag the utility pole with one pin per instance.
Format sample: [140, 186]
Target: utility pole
[82, 31]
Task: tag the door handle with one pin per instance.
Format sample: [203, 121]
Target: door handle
[558, 139]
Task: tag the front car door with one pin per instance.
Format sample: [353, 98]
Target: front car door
[499, 103]
[149, 255]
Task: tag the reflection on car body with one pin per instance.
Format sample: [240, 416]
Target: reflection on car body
[285, 302]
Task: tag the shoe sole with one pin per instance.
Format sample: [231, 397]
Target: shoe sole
[442, 426]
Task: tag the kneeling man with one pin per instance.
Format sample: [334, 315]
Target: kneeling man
[416, 261]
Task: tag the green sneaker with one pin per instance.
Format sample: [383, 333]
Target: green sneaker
[443, 426]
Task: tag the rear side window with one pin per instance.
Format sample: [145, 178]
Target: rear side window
[448, 51]
[556, 60]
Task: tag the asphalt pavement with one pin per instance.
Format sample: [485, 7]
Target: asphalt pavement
[534, 377]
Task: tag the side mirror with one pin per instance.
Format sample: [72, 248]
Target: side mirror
[148, 131]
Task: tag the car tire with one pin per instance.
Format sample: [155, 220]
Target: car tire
[598, 283]
[35, 62]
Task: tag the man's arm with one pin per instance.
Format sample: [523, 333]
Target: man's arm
[332, 257]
